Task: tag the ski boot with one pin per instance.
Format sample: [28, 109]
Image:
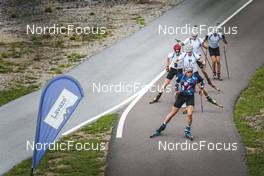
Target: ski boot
[188, 134]
[214, 75]
[158, 131]
[156, 134]
[219, 77]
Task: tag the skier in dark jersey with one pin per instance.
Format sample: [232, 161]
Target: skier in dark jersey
[185, 94]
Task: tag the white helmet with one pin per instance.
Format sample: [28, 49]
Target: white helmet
[187, 69]
[188, 48]
[194, 34]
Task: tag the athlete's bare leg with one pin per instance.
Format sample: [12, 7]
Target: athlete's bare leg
[204, 71]
[162, 89]
[218, 67]
[189, 115]
[164, 85]
[172, 113]
[187, 131]
[213, 58]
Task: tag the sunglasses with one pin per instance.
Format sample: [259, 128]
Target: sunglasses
[189, 71]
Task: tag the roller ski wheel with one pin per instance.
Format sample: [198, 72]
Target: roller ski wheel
[156, 134]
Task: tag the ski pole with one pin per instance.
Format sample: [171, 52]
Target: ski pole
[227, 70]
[201, 97]
[205, 55]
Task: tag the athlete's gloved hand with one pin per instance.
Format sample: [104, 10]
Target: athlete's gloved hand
[178, 41]
[205, 46]
[201, 85]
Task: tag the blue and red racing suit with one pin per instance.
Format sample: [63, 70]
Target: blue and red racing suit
[187, 85]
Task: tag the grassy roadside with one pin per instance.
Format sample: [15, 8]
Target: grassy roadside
[249, 119]
[75, 162]
[13, 93]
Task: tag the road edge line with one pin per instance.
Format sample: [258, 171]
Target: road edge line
[120, 105]
[119, 132]
[235, 13]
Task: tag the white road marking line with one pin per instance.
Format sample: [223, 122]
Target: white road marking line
[235, 13]
[102, 114]
[121, 122]
[131, 105]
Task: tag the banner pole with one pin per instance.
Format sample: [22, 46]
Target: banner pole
[32, 171]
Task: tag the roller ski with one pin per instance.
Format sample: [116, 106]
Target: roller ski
[214, 102]
[209, 80]
[210, 83]
[188, 134]
[158, 131]
[213, 86]
[156, 99]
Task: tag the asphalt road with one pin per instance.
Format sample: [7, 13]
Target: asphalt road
[136, 154]
[136, 59]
